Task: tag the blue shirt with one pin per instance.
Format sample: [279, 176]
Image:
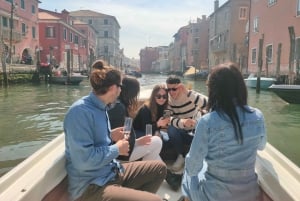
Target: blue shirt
[230, 173]
[90, 154]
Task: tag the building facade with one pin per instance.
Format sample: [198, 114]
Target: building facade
[61, 44]
[108, 38]
[228, 33]
[197, 46]
[277, 23]
[19, 30]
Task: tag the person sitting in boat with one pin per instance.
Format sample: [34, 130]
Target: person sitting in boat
[91, 165]
[152, 112]
[186, 105]
[142, 147]
[227, 138]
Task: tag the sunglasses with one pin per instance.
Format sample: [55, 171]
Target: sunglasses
[171, 89]
[161, 96]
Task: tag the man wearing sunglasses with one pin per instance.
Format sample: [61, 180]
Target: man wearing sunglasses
[185, 104]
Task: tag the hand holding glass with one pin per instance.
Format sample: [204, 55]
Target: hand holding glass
[127, 127]
[149, 129]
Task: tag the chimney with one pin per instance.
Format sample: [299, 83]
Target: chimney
[216, 5]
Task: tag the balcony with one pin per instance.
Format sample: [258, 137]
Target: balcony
[16, 36]
[219, 47]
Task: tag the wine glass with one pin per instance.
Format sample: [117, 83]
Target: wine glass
[149, 129]
[127, 127]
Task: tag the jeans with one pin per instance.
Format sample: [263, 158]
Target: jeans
[179, 138]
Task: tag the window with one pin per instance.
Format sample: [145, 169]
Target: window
[243, 13]
[23, 29]
[105, 21]
[76, 40]
[269, 53]
[105, 49]
[71, 37]
[90, 21]
[255, 24]
[65, 34]
[271, 2]
[105, 34]
[253, 56]
[33, 32]
[32, 9]
[298, 7]
[297, 52]
[23, 4]
[50, 32]
[4, 21]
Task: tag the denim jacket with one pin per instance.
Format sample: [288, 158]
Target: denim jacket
[90, 154]
[230, 173]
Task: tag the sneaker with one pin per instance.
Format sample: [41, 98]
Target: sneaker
[178, 164]
[174, 180]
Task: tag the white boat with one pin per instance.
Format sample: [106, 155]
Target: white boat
[44, 172]
[265, 82]
[42, 176]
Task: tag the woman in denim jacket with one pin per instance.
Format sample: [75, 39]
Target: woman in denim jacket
[227, 138]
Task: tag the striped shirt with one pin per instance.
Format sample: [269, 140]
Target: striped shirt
[186, 106]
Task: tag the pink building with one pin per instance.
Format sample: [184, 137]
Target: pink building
[270, 21]
[22, 34]
[61, 43]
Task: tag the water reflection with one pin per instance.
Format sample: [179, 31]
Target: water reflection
[32, 115]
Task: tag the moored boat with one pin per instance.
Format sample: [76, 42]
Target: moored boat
[289, 93]
[191, 72]
[73, 79]
[265, 82]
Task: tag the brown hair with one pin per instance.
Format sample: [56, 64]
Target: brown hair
[129, 94]
[99, 64]
[226, 91]
[151, 102]
[102, 79]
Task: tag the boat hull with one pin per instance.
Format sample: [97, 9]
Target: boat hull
[65, 80]
[265, 82]
[289, 93]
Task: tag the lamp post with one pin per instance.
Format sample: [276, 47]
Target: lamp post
[12, 9]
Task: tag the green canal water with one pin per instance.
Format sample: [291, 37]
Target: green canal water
[32, 115]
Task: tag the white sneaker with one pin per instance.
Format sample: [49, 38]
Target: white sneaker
[178, 164]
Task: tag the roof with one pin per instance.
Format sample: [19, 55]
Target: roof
[90, 13]
[47, 16]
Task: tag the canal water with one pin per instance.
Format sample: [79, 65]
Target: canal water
[32, 115]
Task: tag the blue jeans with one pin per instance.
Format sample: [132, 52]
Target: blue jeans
[178, 139]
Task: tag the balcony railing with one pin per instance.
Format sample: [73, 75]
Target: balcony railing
[16, 36]
[219, 47]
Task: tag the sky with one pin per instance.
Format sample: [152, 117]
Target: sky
[144, 23]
